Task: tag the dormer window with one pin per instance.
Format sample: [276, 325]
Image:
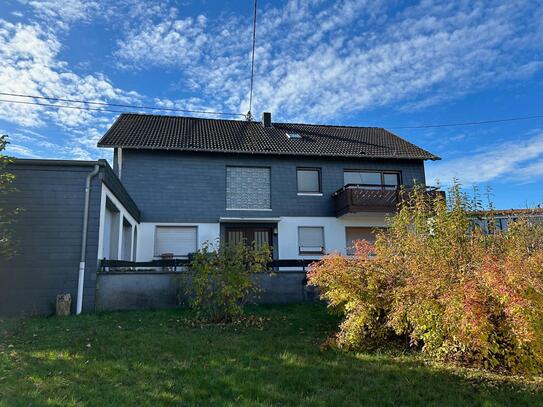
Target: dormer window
[292, 135]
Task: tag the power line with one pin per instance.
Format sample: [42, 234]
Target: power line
[249, 115]
[108, 104]
[22, 102]
[427, 126]
[104, 109]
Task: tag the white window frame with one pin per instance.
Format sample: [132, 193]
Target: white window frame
[321, 249]
[319, 179]
[175, 255]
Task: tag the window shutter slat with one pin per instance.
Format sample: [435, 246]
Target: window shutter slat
[180, 241]
[311, 239]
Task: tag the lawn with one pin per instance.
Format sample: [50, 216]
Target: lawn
[163, 358]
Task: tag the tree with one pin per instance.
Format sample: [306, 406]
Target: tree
[7, 215]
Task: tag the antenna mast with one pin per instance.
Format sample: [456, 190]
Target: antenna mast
[249, 115]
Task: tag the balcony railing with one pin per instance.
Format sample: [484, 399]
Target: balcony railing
[355, 198]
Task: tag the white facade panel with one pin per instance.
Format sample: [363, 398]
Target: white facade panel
[334, 232]
[335, 238]
[147, 236]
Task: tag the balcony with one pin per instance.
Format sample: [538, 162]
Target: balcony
[356, 198]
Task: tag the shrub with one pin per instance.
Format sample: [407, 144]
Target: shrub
[7, 216]
[452, 291]
[221, 279]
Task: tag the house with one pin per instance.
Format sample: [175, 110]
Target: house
[177, 182]
[303, 189]
[500, 219]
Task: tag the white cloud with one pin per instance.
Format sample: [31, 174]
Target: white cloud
[173, 42]
[63, 13]
[19, 150]
[521, 161]
[29, 65]
[316, 61]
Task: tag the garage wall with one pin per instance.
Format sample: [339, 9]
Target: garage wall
[51, 194]
[48, 232]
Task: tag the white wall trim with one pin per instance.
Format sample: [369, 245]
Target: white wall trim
[335, 239]
[123, 212]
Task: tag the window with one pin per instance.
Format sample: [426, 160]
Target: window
[311, 239]
[248, 188]
[135, 250]
[292, 135]
[110, 239]
[372, 179]
[353, 234]
[126, 252]
[309, 180]
[177, 241]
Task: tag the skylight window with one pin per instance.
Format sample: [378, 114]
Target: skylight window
[292, 135]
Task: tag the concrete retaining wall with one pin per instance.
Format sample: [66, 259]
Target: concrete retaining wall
[154, 290]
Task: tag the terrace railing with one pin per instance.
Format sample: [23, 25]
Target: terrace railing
[180, 265]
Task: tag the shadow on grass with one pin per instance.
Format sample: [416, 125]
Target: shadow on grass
[159, 358]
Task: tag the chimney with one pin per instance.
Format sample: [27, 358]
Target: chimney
[266, 119]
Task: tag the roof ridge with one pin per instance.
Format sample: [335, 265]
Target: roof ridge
[329, 125]
[253, 121]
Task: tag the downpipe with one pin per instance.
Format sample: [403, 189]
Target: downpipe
[81, 280]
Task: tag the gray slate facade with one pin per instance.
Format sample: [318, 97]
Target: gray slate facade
[174, 186]
[48, 232]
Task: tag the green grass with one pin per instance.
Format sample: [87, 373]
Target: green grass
[160, 358]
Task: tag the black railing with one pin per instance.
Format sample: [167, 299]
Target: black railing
[373, 187]
[178, 265]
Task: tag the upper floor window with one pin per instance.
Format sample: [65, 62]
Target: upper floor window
[372, 179]
[248, 188]
[309, 180]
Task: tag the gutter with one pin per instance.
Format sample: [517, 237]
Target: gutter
[80, 283]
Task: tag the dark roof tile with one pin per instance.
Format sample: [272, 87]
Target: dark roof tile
[197, 134]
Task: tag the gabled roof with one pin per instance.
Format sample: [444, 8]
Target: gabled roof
[144, 131]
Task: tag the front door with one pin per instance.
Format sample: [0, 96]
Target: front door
[259, 235]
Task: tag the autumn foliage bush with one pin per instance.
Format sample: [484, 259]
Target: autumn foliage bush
[436, 280]
[222, 279]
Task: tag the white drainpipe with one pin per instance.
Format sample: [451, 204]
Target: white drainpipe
[81, 280]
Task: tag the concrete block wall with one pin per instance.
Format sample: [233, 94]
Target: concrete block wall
[155, 290]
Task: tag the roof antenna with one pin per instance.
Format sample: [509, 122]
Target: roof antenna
[249, 115]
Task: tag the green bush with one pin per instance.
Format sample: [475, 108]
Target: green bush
[434, 279]
[221, 279]
[8, 246]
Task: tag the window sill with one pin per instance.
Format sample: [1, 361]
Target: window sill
[247, 209]
[309, 194]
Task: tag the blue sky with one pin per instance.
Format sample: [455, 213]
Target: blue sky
[353, 62]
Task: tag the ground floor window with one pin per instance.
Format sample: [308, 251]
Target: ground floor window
[353, 234]
[311, 240]
[176, 241]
